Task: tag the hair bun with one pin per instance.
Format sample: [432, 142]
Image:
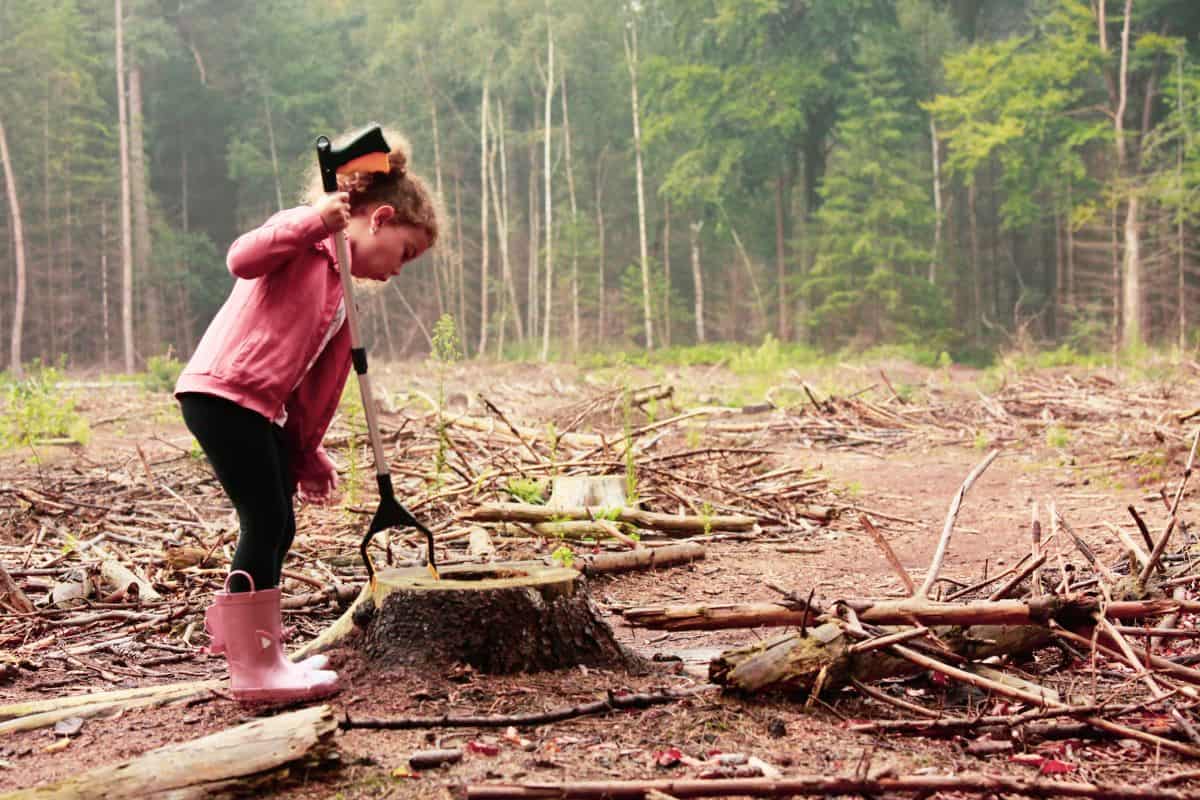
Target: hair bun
[398, 159]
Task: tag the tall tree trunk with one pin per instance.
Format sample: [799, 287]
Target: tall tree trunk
[483, 222]
[1115, 244]
[442, 258]
[500, 209]
[602, 242]
[141, 213]
[566, 123]
[185, 306]
[548, 199]
[1179, 241]
[760, 305]
[1131, 269]
[781, 262]
[126, 233]
[511, 281]
[937, 202]
[1059, 283]
[104, 285]
[697, 281]
[443, 284]
[14, 208]
[1070, 226]
[976, 275]
[666, 329]
[631, 60]
[531, 290]
[266, 96]
[459, 256]
[50, 296]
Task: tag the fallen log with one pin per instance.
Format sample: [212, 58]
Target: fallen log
[642, 558]
[667, 523]
[1068, 611]
[816, 785]
[824, 658]
[43, 713]
[195, 768]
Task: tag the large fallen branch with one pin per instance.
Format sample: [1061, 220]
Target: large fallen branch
[217, 761]
[1067, 611]
[825, 658]
[816, 785]
[43, 713]
[642, 558]
[667, 523]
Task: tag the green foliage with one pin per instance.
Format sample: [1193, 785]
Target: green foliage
[37, 409]
[446, 345]
[162, 372]
[869, 283]
[525, 490]
[1057, 437]
[564, 555]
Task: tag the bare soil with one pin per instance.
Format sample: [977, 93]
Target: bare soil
[904, 487]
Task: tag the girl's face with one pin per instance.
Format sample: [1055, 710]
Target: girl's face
[379, 247]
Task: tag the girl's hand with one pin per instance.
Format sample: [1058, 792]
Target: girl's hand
[318, 492]
[319, 485]
[335, 210]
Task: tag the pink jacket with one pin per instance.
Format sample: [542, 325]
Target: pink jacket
[256, 349]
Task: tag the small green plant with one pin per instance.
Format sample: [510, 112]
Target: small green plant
[706, 514]
[351, 409]
[35, 411]
[526, 490]
[446, 350]
[161, 372]
[693, 437]
[1057, 437]
[564, 556]
[982, 440]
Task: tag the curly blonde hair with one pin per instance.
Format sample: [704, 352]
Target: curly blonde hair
[399, 188]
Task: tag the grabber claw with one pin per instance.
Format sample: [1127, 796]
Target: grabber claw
[392, 514]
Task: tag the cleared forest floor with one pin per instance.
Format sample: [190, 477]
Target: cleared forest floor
[891, 441]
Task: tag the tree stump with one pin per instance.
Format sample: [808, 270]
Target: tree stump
[497, 617]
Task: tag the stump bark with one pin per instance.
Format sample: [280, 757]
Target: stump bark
[496, 617]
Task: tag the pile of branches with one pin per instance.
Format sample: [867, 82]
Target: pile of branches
[120, 558]
[985, 636]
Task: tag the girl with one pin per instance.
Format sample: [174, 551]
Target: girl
[264, 383]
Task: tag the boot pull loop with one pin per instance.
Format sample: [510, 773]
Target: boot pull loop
[249, 578]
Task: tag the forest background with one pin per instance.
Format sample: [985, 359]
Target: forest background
[948, 179]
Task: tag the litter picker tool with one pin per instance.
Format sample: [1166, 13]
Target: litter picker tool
[366, 151]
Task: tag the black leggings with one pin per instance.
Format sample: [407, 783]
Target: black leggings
[250, 458]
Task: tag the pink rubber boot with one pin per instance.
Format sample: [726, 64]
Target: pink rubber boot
[246, 627]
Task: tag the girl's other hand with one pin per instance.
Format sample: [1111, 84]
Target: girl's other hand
[335, 210]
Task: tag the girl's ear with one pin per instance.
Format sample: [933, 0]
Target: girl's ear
[382, 214]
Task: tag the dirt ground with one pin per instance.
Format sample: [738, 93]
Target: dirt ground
[1091, 463]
